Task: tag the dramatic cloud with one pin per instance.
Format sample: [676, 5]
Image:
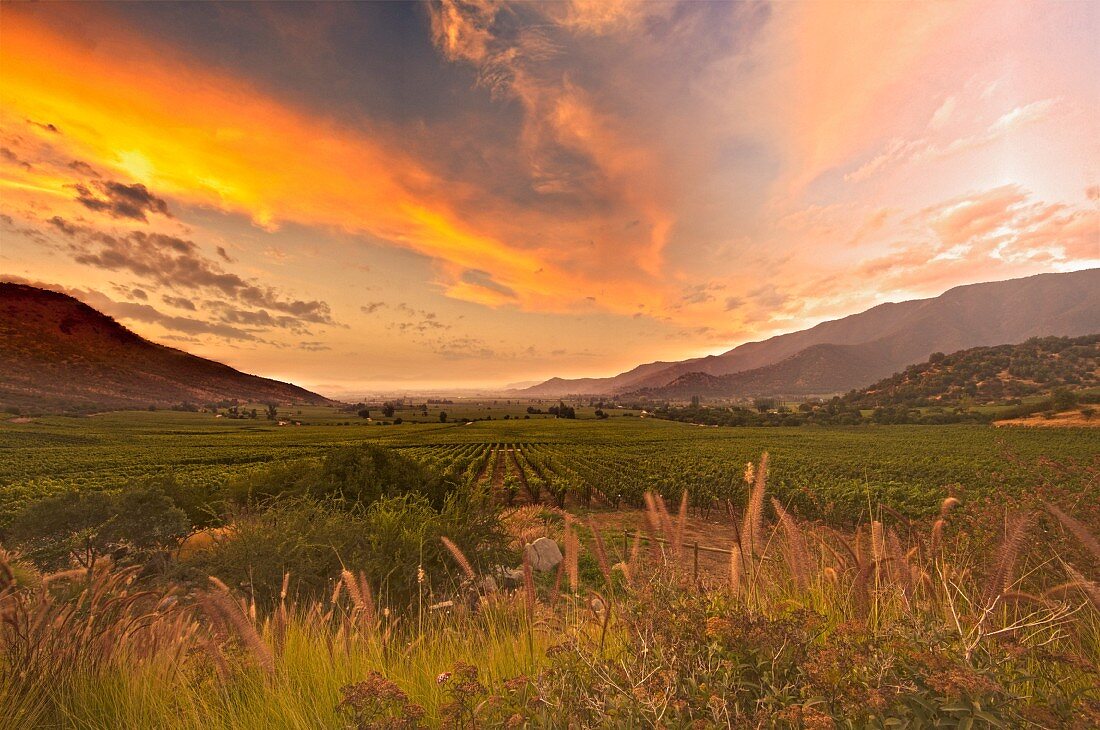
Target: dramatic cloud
[13, 158]
[178, 263]
[179, 302]
[119, 200]
[650, 180]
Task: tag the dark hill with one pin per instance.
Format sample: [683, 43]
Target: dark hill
[60, 354]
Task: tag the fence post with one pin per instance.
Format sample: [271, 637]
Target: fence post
[696, 560]
[626, 539]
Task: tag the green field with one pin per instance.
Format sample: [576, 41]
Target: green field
[830, 472]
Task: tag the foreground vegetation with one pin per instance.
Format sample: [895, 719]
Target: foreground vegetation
[986, 618]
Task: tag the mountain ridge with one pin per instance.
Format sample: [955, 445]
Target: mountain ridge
[62, 354]
[892, 336]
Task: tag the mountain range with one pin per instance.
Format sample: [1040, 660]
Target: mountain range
[61, 354]
[839, 355]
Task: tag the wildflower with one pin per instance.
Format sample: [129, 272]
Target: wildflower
[442, 678]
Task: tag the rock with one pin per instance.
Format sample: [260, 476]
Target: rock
[544, 554]
[509, 577]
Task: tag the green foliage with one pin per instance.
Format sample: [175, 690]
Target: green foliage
[355, 475]
[391, 541]
[84, 526]
[988, 374]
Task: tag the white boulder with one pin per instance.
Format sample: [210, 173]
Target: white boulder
[544, 554]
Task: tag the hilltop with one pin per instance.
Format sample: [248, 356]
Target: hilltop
[60, 354]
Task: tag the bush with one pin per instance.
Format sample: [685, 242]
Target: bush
[355, 475]
[389, 541]
[82, 527]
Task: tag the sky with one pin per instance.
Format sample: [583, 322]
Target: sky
[390, 196]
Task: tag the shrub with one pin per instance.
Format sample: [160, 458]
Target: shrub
[83, 527]
[395, 542]
[355, 475]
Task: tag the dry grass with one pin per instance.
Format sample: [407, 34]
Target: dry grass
[99, 650]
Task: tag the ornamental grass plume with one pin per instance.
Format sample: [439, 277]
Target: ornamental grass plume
[572, 555]
[752, 527]
[735, 571]
[365, 610]
[459, 557]
[222, 608]
[1002, 574]
[681, 526]
[1085, 538]
[601, 552]
[528, 585]
[555, 592]
[795, 552]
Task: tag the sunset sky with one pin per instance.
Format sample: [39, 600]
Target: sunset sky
[360, 197]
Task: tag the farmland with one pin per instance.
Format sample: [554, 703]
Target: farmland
[831, 472]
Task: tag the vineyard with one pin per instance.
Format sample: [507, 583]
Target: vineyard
[833, 472]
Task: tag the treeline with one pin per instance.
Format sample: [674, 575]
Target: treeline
[840, 412]
[831, 413]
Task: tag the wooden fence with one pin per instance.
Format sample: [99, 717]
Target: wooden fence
[696, 548]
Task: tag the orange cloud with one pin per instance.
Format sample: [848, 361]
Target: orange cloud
[833, 63]
[202, 138]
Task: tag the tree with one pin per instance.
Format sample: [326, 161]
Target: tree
[1063, 399]
[443, 416]
[763, 405]
[694, 401]
[364, 413]
[272, 412]
[562, 411]
[388, 410]
[83, 527]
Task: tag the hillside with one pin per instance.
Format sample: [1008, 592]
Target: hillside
[817, 370]
[988, 374]
[61, 354]
[870, 345]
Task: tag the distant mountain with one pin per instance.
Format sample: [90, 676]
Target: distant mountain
[523, 384]
[60, 354]
[847, 353]
[985, 374]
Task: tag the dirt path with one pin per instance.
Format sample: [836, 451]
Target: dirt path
[526, 496]
[1065, 419]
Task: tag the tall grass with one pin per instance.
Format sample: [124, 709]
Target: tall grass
[891, 622]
